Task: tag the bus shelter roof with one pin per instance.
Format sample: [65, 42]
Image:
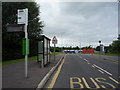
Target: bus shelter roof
[39, 38]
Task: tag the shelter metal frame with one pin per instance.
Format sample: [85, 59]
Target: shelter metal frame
[43, 51]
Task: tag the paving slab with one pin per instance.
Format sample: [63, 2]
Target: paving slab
[13, 75]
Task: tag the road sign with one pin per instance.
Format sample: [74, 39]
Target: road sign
[54, 40]
[22, 16]
[15, 28]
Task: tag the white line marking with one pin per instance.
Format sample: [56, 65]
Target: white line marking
[102, 69]
[88, 63]
[85, 59]
[93, 66]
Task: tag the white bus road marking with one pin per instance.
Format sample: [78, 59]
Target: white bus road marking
[85, 82]
[103, 80]
[98, 82]
[114, 80]
[72, 83]
[87, 61]
[93, 66]
[102, 69]
[95, 83]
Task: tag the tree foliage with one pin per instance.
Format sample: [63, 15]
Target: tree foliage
[57, 49]
[115, 46]
[87, 47]
[12, 41]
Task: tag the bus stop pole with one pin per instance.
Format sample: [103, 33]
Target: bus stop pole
[23, 19]
[26, 37]
[26, 56]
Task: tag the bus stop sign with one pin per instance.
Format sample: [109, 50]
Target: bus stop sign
[54, 40]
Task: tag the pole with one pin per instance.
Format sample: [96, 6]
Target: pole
[54, 51]
[100, 51]
[26, 37]
[26, 56]
[61, 42]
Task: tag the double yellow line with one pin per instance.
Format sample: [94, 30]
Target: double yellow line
[56, 74]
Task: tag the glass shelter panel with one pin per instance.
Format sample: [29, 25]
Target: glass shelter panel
[40, 50]
[40, 46]
[48, 51]
[40, 57]
[45, 51]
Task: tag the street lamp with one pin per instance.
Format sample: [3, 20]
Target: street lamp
[61, 39]
[99, 46]
[99, 41]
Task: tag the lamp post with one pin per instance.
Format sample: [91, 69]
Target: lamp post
[62, 39]
[99, 46]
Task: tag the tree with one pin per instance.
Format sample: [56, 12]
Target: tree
[115, 46]
[97, 48]
[118, 37]
[87, 47]
[77, 48]
[57, 49]
[12, 41]
[10, 15]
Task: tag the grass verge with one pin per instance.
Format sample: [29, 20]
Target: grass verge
[20, 60]
[55, 53]
[17, 60]
[109, 54]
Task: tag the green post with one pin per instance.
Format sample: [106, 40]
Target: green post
[24, 47]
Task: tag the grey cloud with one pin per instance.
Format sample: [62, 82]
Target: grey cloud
[87, 9]
[86, 22]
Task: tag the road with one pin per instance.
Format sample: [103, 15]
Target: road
[85, 71]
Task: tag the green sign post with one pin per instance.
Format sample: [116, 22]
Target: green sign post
[24, 47]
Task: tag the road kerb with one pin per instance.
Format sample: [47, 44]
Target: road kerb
[47, 76]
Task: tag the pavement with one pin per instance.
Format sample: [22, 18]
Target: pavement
[86, 71]
[13, 75]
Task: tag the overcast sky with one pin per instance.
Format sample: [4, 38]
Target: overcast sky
[80, 23]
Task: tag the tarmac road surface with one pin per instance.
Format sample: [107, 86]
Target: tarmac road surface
[86, 71]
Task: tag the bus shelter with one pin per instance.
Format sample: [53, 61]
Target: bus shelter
[43, 51]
